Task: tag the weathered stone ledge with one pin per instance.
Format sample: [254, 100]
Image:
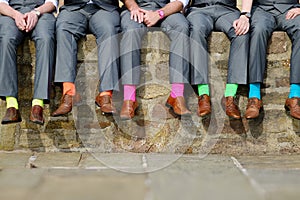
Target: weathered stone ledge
[155, 129]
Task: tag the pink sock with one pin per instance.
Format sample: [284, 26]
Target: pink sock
[129, 92]
[177, 90]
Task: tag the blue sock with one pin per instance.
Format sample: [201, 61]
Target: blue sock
[254, 91]
[294, 90]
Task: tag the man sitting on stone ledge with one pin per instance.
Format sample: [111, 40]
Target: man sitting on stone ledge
[17, 20]
[75, 19]
[221, 15]
[135, 19]
[269, 15]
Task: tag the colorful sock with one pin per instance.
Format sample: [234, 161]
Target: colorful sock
[38, 102]
[69, 88]
[294, 90]
[12, 102]
[203, 89]
[177, 90]
[108, 92]
[129, 92]
[254, 90]
[230, 90]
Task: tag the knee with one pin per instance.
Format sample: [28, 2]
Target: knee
[259, 30]
[183, 28]
[109, 29]
[8, 39]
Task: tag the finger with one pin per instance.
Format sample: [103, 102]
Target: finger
[235, 24]
[293, 16]
[142, 10]
[131, 15]
[141, 17]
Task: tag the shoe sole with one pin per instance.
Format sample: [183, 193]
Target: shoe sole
[11, 122]
[103, 112]
[37, 122]
[171, 108]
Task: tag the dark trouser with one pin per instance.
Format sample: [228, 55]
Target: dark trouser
[10, 37]
[262, 26]
[71, 26]
[220, 18]
[176, 28]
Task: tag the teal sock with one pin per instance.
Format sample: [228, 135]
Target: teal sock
[254, 90]
[294, 90]
[203, 89]
[231, 89]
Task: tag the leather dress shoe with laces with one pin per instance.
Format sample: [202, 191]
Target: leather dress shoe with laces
[128, 109]
[293, 105]
[12, 115]
[204, 105]
[65, 106]
[253, 108]
[105, 104]
[231, 107]
[36, 115]
[178, 105]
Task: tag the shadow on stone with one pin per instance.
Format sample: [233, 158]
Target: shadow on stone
[256, 125]
[238, 127]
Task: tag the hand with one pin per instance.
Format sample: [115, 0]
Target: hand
[291, 14]
[31, 20]
[241, 25]
[150, 17]
[137, 15]
[20, 21]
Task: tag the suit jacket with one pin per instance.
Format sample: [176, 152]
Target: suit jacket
[281, 5]
[109, 5]
[17, 4]
[160, 3]
[203, 3]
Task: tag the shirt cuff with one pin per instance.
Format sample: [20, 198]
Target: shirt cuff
[184, 2]
[52, 1]
[4, 1]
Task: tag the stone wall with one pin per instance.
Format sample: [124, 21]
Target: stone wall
[155, 129]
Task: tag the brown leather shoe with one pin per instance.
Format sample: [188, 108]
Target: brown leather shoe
[12, 115]
[128, 109]
[231, 107]
[293, 105]
[105, 104]
[204, 105]
[178, 105]
[65, 106]
[36, 115]
[253, 108]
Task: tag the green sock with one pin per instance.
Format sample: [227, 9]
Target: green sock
[38, 102]
[12, 102]
[203, 89]
[231, 89]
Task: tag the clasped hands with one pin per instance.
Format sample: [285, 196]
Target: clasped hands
[148, 17]
[26, 22]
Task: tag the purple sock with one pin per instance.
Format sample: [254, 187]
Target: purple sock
[177, 90]
[129, 92]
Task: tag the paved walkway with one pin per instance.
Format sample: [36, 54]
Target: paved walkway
[81, 176]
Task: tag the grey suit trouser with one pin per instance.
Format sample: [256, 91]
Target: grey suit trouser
[10, 37]
[220, 18]
[177, 29]
[71, 26]
[263, 23]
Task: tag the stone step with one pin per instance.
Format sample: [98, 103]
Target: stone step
[155, 128]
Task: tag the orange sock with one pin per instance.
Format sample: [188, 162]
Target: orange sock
[69, 88]
[108, 92]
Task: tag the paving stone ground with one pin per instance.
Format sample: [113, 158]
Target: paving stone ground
[85, 176]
